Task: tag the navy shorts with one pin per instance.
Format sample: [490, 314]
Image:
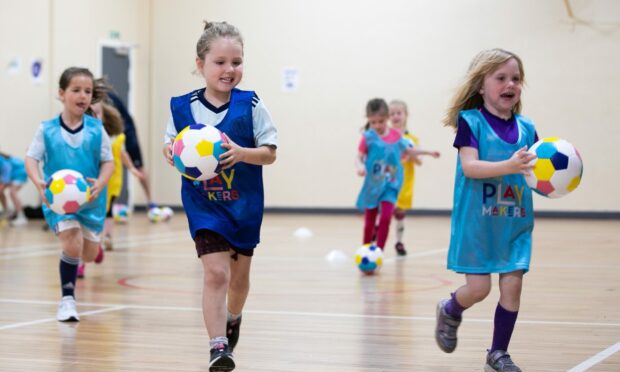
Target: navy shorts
[208, 241]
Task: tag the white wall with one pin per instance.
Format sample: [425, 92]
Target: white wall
[346, 52]
[350, 51]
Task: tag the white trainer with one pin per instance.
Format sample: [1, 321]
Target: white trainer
[67, 311]
[20, 220]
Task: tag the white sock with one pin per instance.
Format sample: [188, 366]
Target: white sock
[400, 229]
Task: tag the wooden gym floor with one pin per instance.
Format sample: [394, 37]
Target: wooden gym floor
[309, 308]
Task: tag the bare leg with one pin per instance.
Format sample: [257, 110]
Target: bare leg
[216, 267]
[476, 289]
[510, 285]
[239, 283]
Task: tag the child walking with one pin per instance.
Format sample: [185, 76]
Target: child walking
[492, 218]
[77, 141]
[398, 119]
[225, 230]
[378, 160]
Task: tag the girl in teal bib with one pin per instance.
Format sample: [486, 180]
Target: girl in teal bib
[492, 217]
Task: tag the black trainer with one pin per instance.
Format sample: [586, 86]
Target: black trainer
[445, 330]
[232, 332]
[499, 360]
[221, 359]
[400, 249]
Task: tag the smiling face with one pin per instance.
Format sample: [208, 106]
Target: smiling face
[76, 97]
[501, 89]
[378, 122]
[398, 116]
[222, 67]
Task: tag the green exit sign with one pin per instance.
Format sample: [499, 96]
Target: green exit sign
[116, 35]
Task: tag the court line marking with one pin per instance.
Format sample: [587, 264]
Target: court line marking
[46, 320]
[315, 314]
[585, 365]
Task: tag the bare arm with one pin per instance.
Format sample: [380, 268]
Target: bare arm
[262, 155]
[416, 151]
[32, 169]
[360, 165]
[473, 167]
[126, 160]
[105, 172]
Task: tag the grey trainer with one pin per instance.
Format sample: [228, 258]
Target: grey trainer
[499, 360]
[445, 330]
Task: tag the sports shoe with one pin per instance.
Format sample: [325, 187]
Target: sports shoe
[67, 311]
[445, 330]
[81, 270]
[221, 359]
[20, 220]
[400, 249]
[232, 332]
[499, 360]
[100, 256]
[107, 243]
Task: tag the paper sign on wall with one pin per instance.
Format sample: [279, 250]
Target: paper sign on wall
[290, 79]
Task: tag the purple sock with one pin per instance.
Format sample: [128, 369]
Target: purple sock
[504, 325]
[453, 308]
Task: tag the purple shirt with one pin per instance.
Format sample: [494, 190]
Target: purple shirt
[507, 130]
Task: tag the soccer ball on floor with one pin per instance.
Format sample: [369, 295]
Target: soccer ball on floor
[557, 170]
[369, 258]
[120, 213]
[66, 191]
[166, 213]
[196, 151]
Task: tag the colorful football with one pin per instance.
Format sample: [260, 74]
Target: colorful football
[120, 213]
[369, 258]
[557, 169]
[196, 151]
[66, 191]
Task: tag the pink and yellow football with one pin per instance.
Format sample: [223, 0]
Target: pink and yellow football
[66, 191]
[557, 169]
[196, 151]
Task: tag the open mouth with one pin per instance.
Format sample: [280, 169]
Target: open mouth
[509, 95]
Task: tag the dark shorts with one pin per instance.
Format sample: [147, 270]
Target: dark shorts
[208, 241]
[133, 149]
[109, 212]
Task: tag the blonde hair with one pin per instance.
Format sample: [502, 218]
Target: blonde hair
[468, 96]
[212, 31]
[112, 119]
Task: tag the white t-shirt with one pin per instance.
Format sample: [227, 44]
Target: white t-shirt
[37, 149]
[265, 133]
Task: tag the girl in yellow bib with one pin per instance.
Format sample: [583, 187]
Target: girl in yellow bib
[398, 119]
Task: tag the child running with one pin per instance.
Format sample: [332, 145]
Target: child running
[378, 161]
[225, 230]
[76, 141]
[492, 218]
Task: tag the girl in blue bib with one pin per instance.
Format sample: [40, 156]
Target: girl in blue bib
[378, 161]
[492, 217]
[225, 213]
[77, 141]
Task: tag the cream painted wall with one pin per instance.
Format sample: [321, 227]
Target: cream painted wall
[346, 52]
[65, 33]
[350, 51]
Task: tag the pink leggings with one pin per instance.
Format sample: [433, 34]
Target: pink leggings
[370, 220]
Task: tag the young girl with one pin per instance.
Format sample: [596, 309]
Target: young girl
[398, 119]
[492, 218]
[113, 125]
[13, 180]
[76, 141]
[225, 231]
[378, 160]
